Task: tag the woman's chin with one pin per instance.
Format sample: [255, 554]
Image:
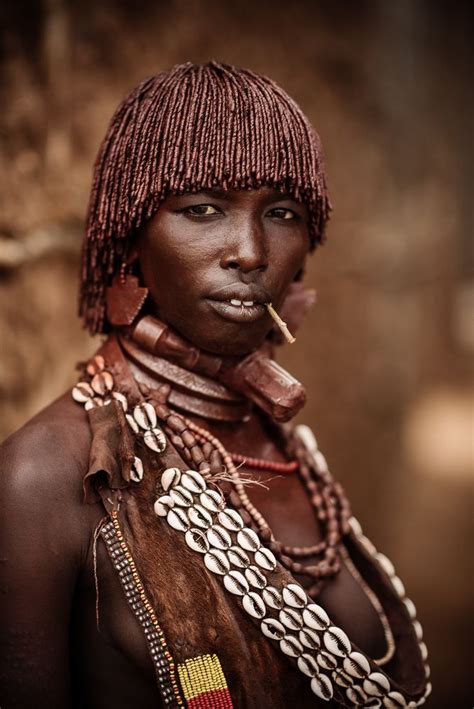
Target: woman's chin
[218, 337]
[228, 347]
[237, 343]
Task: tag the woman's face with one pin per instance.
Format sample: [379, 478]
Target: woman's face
[212, 259]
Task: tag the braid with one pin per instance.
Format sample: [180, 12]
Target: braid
[192, 128]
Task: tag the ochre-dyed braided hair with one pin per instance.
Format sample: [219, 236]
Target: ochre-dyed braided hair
[188, 129]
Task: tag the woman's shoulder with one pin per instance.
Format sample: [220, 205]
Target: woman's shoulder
[49, 454]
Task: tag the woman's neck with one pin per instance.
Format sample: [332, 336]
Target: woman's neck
[207, 385]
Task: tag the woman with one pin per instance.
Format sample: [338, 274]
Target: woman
[146, 560]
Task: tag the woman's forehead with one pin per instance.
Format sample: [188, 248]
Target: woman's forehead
[264, 192]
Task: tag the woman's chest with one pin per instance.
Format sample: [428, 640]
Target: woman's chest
[199, 621]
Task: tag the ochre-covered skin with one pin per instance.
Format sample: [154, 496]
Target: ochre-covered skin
[52, 649]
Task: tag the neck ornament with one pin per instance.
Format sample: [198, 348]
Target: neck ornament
[255, 377]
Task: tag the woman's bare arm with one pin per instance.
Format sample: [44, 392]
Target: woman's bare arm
[41, 544]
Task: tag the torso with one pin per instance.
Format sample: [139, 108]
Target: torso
[111, 665]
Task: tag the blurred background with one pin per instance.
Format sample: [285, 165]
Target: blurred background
[387, 352]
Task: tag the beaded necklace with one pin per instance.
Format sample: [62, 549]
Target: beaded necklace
[200, 448]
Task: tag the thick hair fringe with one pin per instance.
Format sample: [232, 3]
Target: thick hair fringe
[192, 128]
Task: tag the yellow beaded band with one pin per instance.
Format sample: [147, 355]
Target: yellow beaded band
[204, 684]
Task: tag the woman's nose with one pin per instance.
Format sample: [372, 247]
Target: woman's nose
[246, 249]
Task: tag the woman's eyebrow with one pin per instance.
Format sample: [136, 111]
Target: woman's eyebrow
[281, 196]
[217, 193]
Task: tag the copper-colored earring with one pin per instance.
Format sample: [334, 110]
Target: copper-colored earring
[125, 298]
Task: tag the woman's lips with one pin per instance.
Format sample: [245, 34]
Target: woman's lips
[237, 311]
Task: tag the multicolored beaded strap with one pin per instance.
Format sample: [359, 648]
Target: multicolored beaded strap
[204, 684]
[123, 562]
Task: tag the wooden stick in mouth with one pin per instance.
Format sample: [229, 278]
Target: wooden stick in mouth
[281, 323]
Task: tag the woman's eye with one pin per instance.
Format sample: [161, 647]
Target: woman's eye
[201, 210]
[283, 213]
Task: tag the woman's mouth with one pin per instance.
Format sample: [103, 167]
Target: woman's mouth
[238, 310]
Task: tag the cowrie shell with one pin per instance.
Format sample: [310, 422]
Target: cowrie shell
[265, 558]
[291, 618]
[145, 415]
[291, 646]
[308, 665]
[254, 605]
[132, 423]
[155, 439]
[294, 596]
[272, 597]
[354, 524]
[170, 478]
[418, 630]
[193, 481]
[197, 540]
[199, 516]
[423, 650]
[82, 392]
[374, 703]
[326, 660]
[321, 463]
[121, 399]
[367, 544]
[96, 364]
[342, 679]
[272, 629]
[307, 437]
[163, 505]
[238, 557]
[315, 617]
[248, 539]
[398, 586]
[102, 382]
[217, 562]
[93, 403]
[212, 500]
[336, 641]
[236, 583]
[178, 519]
[255, 577]
[394, 700]
[309, 638]
[376, 684]
[181, 496]
[356, 665]
[322, 687]
[411, 608]
[356, 695]
[231, 520]
[385, 563]
[136, 471]
[219, 537]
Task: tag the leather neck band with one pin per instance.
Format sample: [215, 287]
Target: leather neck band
[161, 353]
[189, 392]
